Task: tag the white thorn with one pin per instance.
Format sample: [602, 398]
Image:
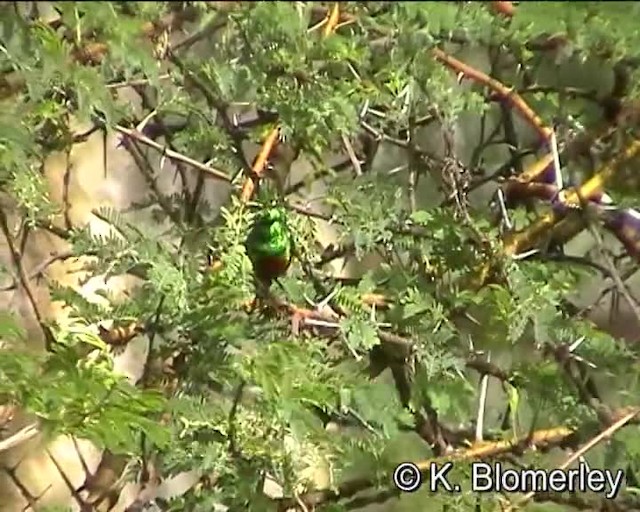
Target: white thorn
[309, 301]
[576, 343]
[606, 199]
[323, 303]
[525, 254]
[583, 360]
[556, 161]
[377, 113]
[396, 170]
[460, 77]
[503, 209]
[145, 121]
[365, 109]
[321, 323]
[471, 318]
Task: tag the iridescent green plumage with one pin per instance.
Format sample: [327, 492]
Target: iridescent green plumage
[269, 245]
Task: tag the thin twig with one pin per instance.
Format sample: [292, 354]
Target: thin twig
[24, 279]
[39, 270]
[21, 436]
[259, 165]
[614, 274]
[173, 155]
[352, 155]
[605, 434]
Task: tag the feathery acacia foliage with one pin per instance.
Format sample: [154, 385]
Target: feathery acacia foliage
[323, 400]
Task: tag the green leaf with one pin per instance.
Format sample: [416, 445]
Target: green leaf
[359, 334]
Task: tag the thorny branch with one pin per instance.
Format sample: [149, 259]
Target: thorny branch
[605, 434]
[398, 346]
[171, 154]
[539, 440]
[23, 279]
[271, 140]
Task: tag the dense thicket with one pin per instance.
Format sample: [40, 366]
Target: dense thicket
[322, 386]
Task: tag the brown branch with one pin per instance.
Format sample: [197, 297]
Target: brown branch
[605, 434]
[537, 440]
[507, 94]
[531, 235]
[23, 279]
[172, 155]
[25, 493]
[270, 142]
[84, 507]
[259, 165]
[484, 367]
[102, 484]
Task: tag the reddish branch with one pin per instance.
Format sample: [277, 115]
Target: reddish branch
[507, 94]
[270, 142]
[538, 230]
[259, 165]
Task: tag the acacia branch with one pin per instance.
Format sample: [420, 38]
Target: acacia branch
[94, 52]
[605, 434]
[531, 235]
[171, 154]
[507, 94]
[23, 280]
[21, 436]
[271, 140]
[538, 440]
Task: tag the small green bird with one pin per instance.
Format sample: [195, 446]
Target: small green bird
[269, 245]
